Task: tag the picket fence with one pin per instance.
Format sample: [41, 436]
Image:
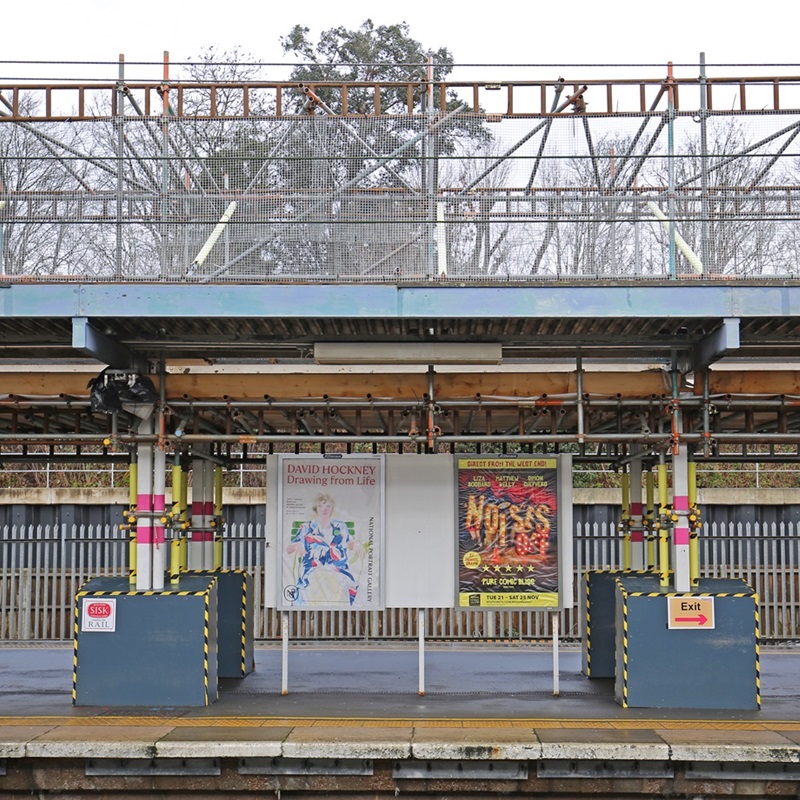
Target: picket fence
[42, 567]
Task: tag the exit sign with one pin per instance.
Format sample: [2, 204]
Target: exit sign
[690, 611]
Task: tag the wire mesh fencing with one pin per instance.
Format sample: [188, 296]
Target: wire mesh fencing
[450, 196]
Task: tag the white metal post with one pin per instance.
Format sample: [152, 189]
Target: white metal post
[556, 676]
[159, 549]
[144, 511]
[680, 527]
[421, 634]
[284, 654]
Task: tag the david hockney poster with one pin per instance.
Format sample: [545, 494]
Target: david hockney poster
[331, 518]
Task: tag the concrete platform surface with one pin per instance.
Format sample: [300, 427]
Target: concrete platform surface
[361, 702]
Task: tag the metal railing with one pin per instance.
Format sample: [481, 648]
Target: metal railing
[42, 567]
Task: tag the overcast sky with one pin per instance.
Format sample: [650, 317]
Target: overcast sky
[557, 33]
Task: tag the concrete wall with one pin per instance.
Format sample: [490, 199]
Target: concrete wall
[104, 506]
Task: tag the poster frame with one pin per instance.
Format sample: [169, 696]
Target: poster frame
[564, 531]
[379, 597]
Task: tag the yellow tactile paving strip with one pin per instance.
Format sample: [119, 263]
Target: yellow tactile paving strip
[361, 722]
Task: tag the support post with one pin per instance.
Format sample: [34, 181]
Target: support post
[208, 515]
[119, 123]
[217, 517]
[706, 412]
[144, 509]
[556, 670]
[284, 654]
[175, 558]
[133, 490]
[184, 499]
[663, 527]
[159, 556]
[177, 477]
[680, 519]
[705, 250]
[197, 535]
[164, 227]
[421, 635]
[637, 543]
[626, 519]
[650, 518]
[429, 166]
[694, 525]
[671, 170]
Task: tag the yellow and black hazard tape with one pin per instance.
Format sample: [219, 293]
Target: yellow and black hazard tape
[624, 650]
[758, 650]
[688, 594]
[619, 572]
[205, 646]
[588, 633]
[224, 570]
[76, 626]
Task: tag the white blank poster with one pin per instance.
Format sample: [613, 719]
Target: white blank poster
[420, 531]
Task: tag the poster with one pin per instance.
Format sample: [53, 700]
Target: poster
[507, 511]
[331, 532]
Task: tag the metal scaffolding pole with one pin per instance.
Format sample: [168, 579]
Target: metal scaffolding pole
[671, 173]
[638, 546]
[119, 123]
[197, 536]
[704, 206]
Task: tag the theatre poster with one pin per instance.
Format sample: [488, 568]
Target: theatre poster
[507, 512]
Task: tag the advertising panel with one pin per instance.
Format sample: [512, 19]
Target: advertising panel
[331, 532]
[508, 532]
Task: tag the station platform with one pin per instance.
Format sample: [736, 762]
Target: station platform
[354, 721]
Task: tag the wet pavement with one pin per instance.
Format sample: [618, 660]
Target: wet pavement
[462, 682]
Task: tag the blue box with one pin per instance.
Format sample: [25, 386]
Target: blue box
[145, 648]
[687, 667]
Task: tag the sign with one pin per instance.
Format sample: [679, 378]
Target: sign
[331, 532]
[99, 615]
[690, 611]
[507, 516]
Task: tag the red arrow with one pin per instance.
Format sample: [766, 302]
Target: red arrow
[701, 619]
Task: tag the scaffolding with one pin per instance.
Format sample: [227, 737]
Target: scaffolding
[332, 182]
